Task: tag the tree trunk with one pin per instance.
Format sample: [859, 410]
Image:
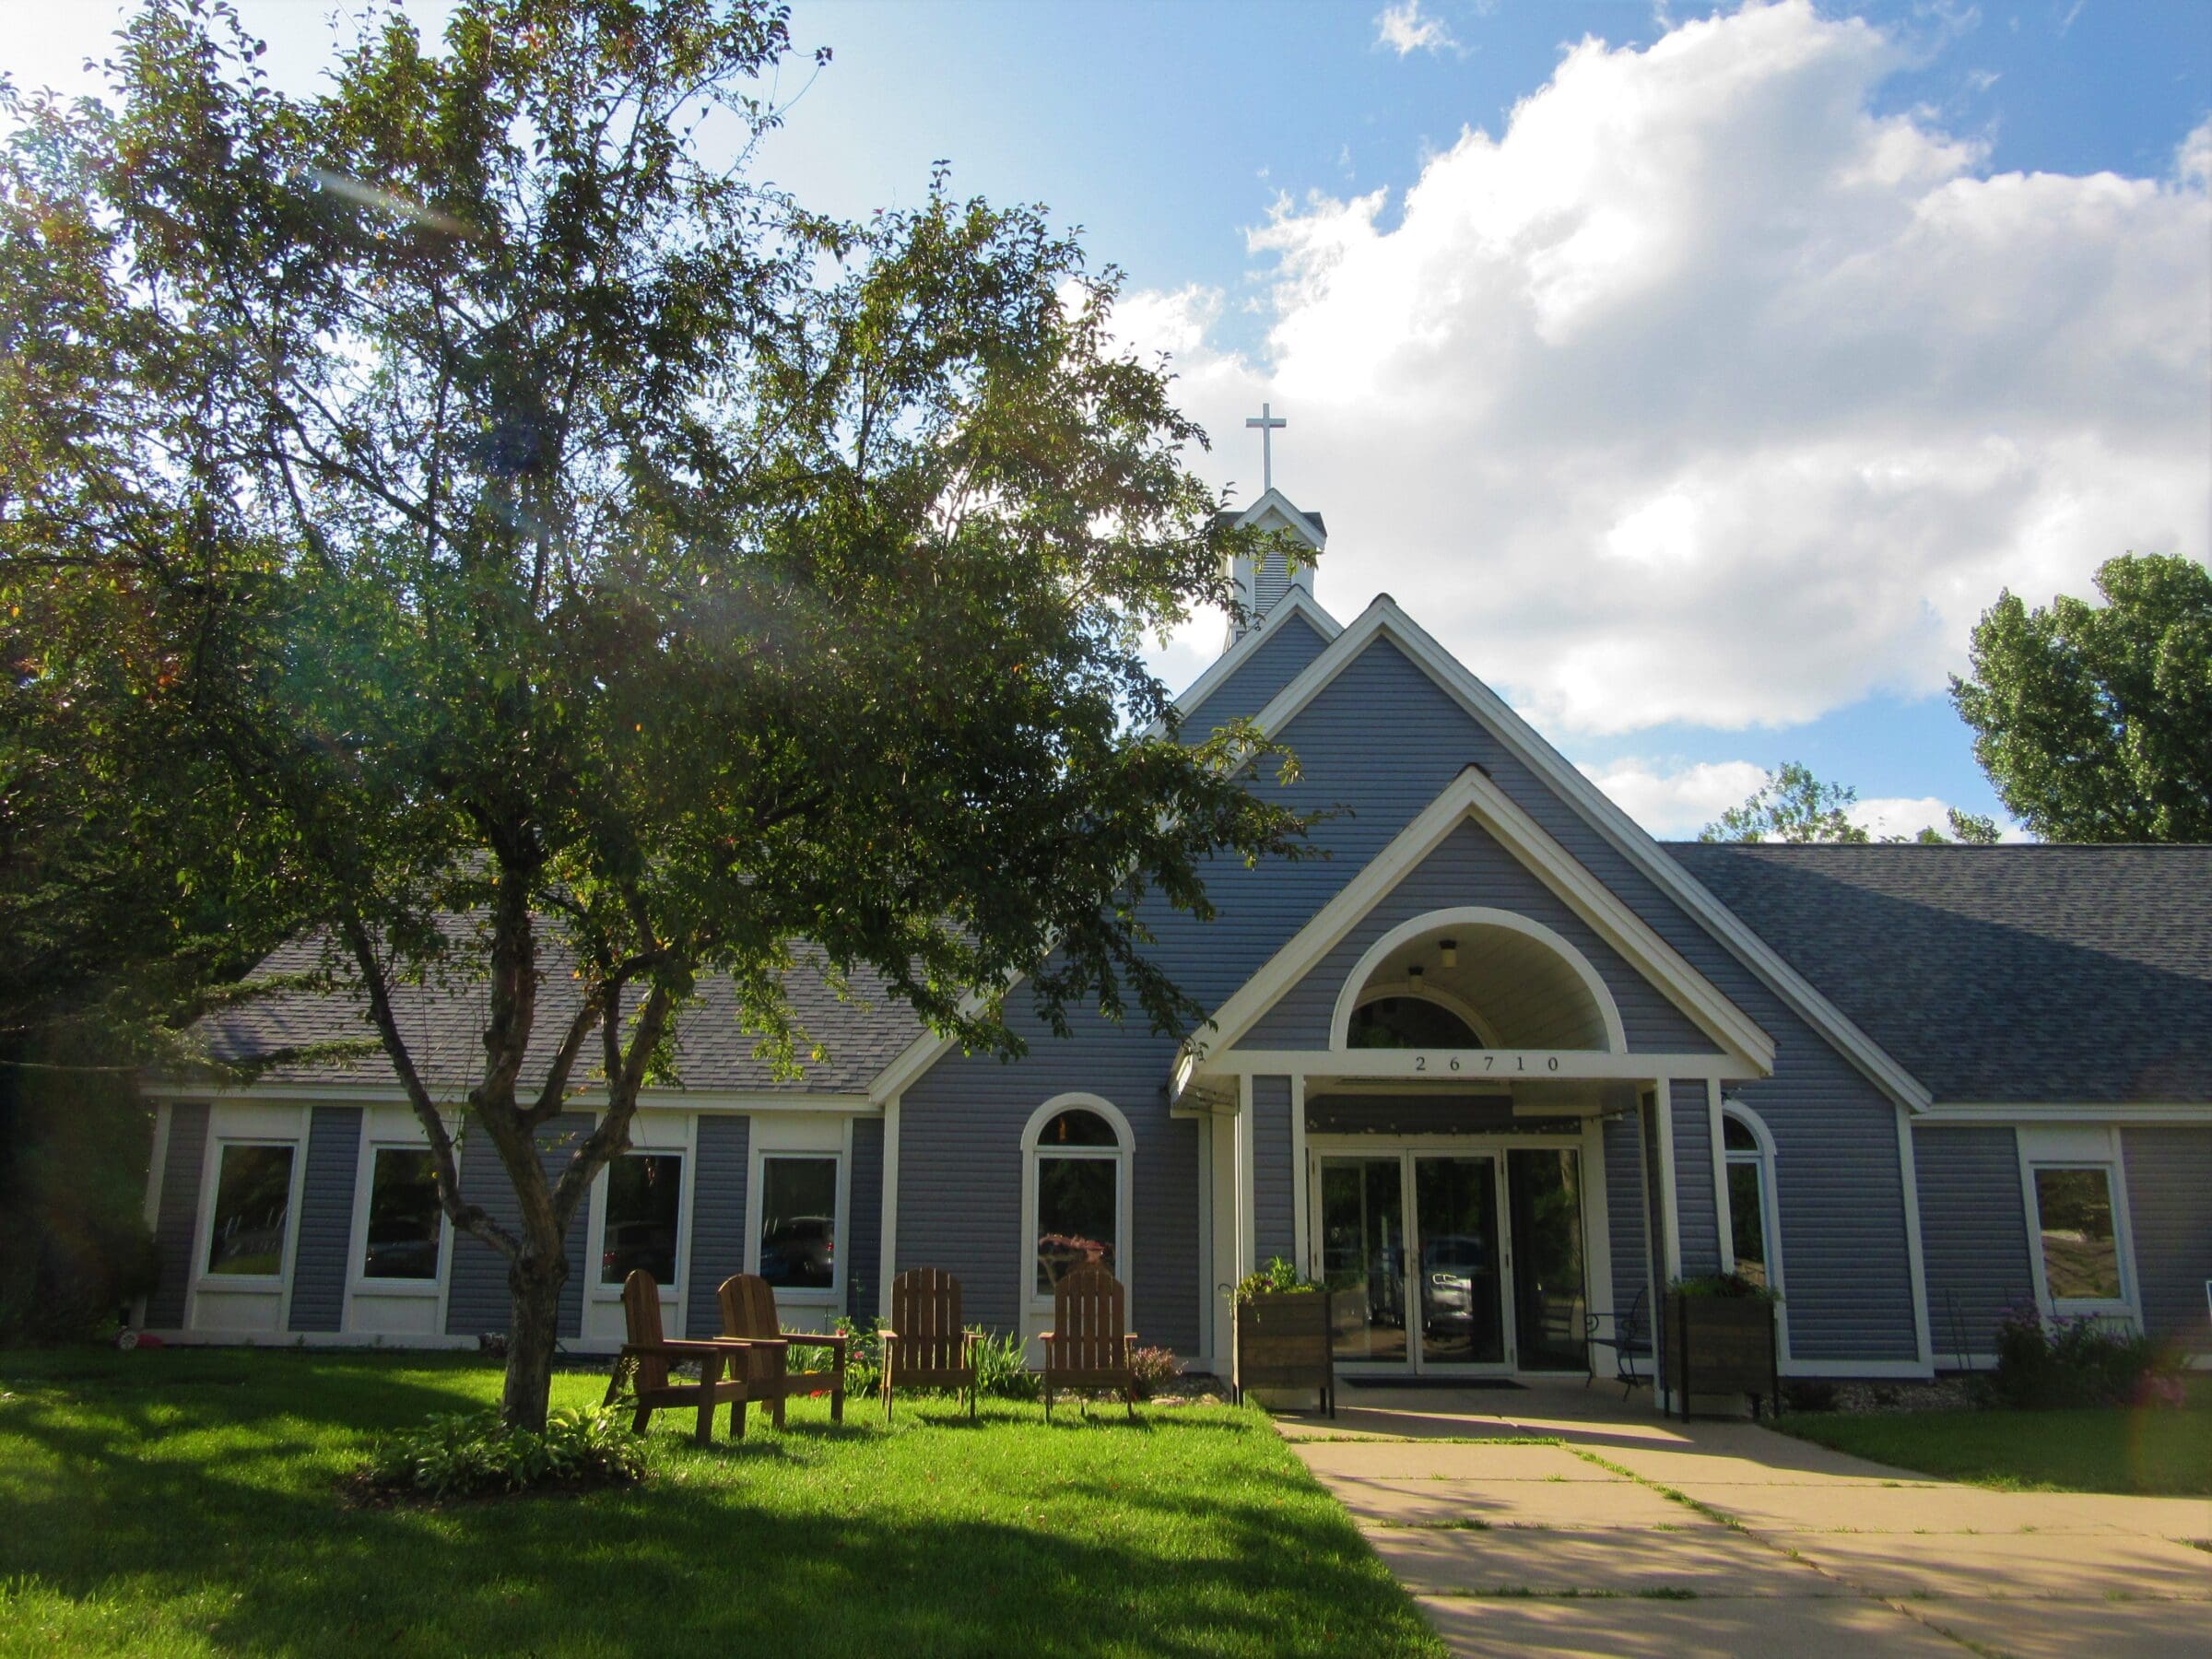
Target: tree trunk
[533, 1284]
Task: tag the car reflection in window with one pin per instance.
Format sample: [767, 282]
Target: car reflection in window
[800, 1253]
[1450, 1265]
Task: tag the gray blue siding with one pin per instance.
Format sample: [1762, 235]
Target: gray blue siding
[1655, 1205]
[477, 1299]
[177, 1215]
[1378, 745]
[1274, 1171]
[960, 1172]
[863, 1219]
[1274, 663]
[1974, 1235]
[1624, 1213]
[1472, 867]
[325, 1224]
[1695, 1205]
[718, 1177]
[2170, 1204]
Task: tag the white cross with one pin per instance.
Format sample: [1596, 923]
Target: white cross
[1267, 420]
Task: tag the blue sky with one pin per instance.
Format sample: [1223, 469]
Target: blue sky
[1695, 373]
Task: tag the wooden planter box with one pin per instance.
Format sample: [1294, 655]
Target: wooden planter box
[1283, 1341]
[1722, 1345]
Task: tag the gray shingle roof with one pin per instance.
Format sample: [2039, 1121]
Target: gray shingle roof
[2008, 973]
[444, 1028]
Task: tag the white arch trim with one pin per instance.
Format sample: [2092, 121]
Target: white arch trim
[1124, 1209]
[1732, 1108]
[1089, 1102]
[1475, 915]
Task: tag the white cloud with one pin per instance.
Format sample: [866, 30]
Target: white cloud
[1706, 394]
[1676, 805]
[2192, 161]
[1899, 815]
[1404, 29]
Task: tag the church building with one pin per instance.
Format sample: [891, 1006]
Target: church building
[1500, 1062]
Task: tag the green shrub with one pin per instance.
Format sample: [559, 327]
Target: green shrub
[864, 1354]
[1002, 1368]
[1278, 1278]
[473, 1453]
[2062, 1363]
[1153, 1367]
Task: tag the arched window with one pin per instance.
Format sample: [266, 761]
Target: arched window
[1749, 1160]
[1408, 1022]
[1077, 1191]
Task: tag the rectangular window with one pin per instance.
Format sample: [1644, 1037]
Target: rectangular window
[1079, 1213]
[2081, 1250]
[403, 1215]
[644, 1196]
[798, 1222]
[252, 1208]
[1747, 1221]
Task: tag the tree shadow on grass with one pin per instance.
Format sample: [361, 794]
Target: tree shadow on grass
[819, 1535]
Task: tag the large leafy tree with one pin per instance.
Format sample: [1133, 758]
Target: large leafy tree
[2094, 721]
[559, 559]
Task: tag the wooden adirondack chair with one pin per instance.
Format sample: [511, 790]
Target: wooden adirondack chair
[924, 1346]
[748, 1313]
[1087, 1347]
[645, 1358]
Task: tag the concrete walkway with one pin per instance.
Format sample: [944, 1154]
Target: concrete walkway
[1634, 1535]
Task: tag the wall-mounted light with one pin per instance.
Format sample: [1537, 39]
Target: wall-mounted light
[1413, 974]
[1448, 949]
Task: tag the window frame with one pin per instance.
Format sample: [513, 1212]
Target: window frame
[1122, 1155]
[211, 1179]
[677, 1289]
[2080, 1148]
[357, 1281]
[1761, 1158]
[755, 1207]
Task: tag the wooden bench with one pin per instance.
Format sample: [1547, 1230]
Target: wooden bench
[646, 1357]
[749, 1315]
[1087, 1347]
[924, 1345]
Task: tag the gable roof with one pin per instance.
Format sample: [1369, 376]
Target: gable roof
[444, 1028]
[2007, 974]
[1309, 526]
[1473, 796]
[1384, 618]
[1296, 608]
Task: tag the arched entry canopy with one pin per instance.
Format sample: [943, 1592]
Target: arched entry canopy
[1475, 978]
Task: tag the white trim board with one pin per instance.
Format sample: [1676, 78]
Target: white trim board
[1474, 796]
[1488, 708]
[1222, 669]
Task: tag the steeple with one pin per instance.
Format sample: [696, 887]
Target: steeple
[1263, 584]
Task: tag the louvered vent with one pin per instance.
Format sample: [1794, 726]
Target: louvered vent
[1273, 583]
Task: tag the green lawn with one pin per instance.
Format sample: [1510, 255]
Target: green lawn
[184, 1501]
[2164, 1452]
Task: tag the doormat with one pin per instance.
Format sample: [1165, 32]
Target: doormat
[1470, 1383]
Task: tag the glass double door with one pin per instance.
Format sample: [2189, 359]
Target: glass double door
[1445, 1261]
